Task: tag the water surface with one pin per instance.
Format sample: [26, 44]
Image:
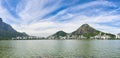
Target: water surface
[60, 49]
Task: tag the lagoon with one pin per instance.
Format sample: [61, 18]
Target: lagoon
[59, 49]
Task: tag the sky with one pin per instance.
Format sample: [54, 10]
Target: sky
[45, 17]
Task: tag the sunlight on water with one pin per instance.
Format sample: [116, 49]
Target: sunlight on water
[60, 49]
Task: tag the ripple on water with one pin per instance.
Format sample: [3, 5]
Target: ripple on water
[60, 49]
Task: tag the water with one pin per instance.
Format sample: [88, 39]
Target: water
[60, 49]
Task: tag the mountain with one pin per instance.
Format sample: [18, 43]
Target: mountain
[84, 31]
[60, 33]
[7, 32]
[88, 31]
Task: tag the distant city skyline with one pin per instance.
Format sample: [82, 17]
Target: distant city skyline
[45, 17]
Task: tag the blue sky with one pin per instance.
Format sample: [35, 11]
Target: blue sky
[45, 17]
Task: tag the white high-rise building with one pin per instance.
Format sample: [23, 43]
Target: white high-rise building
[118, 36]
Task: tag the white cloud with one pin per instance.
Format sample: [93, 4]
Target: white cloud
[35, 9]
[92, 4]
[108, 29]
[6, 15]
[32, 11]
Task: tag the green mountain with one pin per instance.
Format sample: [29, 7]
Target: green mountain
[7, 32]
[60, 33]
[85, 30]
[88, 31]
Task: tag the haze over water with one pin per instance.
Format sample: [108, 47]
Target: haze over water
[60, 49]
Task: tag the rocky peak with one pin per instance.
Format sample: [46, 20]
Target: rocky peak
[85, 29]
[6, 31]
[85, 25]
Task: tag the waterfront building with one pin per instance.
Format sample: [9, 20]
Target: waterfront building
[51, 37]
[98, 36]
[62, 37]
[118, 36]
[105, 37]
